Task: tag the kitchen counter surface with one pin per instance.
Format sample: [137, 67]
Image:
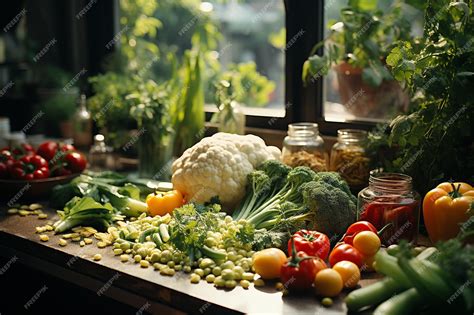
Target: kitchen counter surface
[144, 288]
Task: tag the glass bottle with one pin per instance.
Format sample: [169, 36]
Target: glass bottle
[100, 155]
[390, 200]
[349, 159]
[230, 117]
[304, 147]
[82, 125]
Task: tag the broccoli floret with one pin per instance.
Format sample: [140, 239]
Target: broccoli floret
[334, 179]
[267, 239]
[330, 209]
[276, 171]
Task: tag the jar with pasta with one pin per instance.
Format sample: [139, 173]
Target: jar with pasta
[348, 157]
[304, 147]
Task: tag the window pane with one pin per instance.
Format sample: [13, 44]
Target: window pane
[356, 92]
[252, 42]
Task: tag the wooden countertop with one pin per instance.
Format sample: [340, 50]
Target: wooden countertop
[144, 289]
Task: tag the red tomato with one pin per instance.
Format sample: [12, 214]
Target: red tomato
[6, 160]
[356, 228]
[21, 150]
[49, 149]
[75, 162]
[345, 252]
[312, 243]
[298, 272]
[30, 167]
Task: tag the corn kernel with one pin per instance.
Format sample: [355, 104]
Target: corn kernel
[97, 257]
[62, 242]
[44, 237]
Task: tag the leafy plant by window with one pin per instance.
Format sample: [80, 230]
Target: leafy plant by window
[363, 38]
[435, 142]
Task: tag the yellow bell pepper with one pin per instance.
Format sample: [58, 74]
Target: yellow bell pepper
[162, 203]
[445, 208]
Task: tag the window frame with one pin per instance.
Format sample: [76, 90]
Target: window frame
[302, 103]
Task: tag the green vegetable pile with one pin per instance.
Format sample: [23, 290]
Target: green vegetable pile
[195, 238]
[85, 211]
[284, 199]
[95, 195]
[437, 280]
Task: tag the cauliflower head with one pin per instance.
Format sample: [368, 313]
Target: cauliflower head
[219, 165]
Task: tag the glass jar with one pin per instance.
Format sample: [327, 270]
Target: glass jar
[390, 199]
[348, 157]
[100, 155]
[304, 147]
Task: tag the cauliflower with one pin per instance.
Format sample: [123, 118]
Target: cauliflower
[219, 165]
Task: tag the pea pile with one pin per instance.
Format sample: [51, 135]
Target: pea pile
[146, 241]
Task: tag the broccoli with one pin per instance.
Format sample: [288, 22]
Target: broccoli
[298, 197]
[288, 193]
[331, 209]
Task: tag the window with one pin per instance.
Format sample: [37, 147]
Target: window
[253, 37]
[350, 96]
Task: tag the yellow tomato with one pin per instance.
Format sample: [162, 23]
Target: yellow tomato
[367, 243]
[267, 263]
[328, 283]
[349, 273]
[163, 203]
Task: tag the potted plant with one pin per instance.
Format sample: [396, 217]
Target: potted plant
[356, 49]
[150, 107]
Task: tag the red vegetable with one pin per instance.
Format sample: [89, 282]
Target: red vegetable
[344, 251]
[30, 167]
[356, 228]
[299, 271]
[312, 243]
[400, 214]
[21, 150]
[6, 160]
[49, 149]
[75, 162]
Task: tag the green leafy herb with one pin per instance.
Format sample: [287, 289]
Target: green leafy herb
[435, 142]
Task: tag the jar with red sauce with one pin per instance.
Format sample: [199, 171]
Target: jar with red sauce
[390, 200]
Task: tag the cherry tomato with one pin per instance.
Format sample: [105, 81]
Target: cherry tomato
[349, 273]
[367, 243]
[163, 203]
[328, 283]
[345, 252]
[298, 272]
[268, 263]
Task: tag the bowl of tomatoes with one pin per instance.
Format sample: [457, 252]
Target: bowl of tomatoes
[26, 173]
